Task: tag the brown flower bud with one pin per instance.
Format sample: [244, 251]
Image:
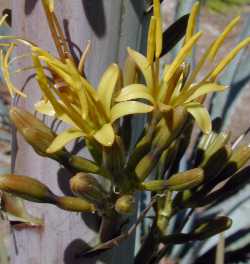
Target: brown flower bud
[27, 188]
[125, 204]
[74, 204]
[85, 185]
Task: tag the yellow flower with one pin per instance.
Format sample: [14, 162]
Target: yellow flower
[177, 86]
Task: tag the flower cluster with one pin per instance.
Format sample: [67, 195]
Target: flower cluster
[172, 102]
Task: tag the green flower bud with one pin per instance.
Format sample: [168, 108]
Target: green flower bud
[125, 204]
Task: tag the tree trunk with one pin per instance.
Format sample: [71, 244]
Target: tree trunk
[111, 25]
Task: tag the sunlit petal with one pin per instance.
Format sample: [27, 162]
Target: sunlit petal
[201, 116]
[128, 108]
[64, 138]
[134, 91]
[106, 135]
[107, 86]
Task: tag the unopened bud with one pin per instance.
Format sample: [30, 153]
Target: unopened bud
[85, 185]
[24, 119]
[74, 204]
[27, 188]
[35, 132]
[178, 182]
[185, 180]
[125, 204]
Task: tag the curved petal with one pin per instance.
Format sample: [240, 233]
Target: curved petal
[45, 108]
[62, 139]
[183, 53]
[205, 89]
[144, 66]
[201, 116]
[197, 91]
[129, 108]
[134, 91]
[107, 86]
[105, 136]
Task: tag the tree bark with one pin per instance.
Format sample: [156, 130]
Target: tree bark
[111, 26]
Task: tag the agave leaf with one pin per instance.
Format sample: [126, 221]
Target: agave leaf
[106, 135]
[63, 138]
[134, 91]
[173, 34]
[129, 108]
[144, 66]
[107, 86]
[201, 116]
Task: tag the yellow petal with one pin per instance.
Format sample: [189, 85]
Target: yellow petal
[158, 32]
[205, 89]
[144, 66]
[197, 91]
[211, 51]
[129, 71]
[134, 91]
[183, 53]
[224, 62]
[201, 116]
[45, 108]
[192, 22]
[219, 41]
[164, 108]
[49, 4]
[106, 135]
[107, 86]
[151, 40]
[62, 139]
[128, 108]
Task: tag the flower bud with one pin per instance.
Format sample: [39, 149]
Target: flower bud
[74, 204]
[125, 204]
[178, 182]
[23, 119]
[211, 228]
[85, 185]
[35, 132]
[185, 180]
[27, 188]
